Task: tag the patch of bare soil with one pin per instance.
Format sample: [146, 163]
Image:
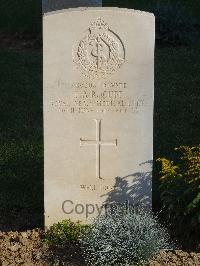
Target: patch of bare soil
[176, 258]
[28, 248]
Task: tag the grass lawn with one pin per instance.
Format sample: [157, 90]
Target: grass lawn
[177, 120]
[177, 99]
[21, 144]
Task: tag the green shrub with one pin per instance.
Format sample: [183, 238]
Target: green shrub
[123, 237]
[64, 232]
[180, 191]
[174, 25]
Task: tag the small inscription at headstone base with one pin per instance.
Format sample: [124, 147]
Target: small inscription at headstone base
[98, 110]
[95, 187]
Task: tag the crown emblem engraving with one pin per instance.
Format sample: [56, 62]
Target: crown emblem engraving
[100, 52]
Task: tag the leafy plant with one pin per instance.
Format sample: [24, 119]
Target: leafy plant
[124, 237]
[174, 26]
[64, 232]
[180, 190]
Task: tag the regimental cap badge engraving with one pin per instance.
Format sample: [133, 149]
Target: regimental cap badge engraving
[100, 52]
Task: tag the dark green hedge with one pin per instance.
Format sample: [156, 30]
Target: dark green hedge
[193, 6]
[21, 16]
[25, 16]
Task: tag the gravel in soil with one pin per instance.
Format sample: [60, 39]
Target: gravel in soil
[177, 257]
[28, 248]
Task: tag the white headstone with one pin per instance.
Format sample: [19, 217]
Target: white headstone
[98, 110]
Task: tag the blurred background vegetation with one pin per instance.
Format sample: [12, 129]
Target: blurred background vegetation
[192, 6]
[176, 111]
[22, 16]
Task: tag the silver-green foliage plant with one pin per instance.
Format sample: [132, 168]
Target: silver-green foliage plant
[124, 237]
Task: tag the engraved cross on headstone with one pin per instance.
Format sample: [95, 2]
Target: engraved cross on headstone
[98, 143]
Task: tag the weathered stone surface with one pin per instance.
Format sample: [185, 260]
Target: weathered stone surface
[98, 110]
